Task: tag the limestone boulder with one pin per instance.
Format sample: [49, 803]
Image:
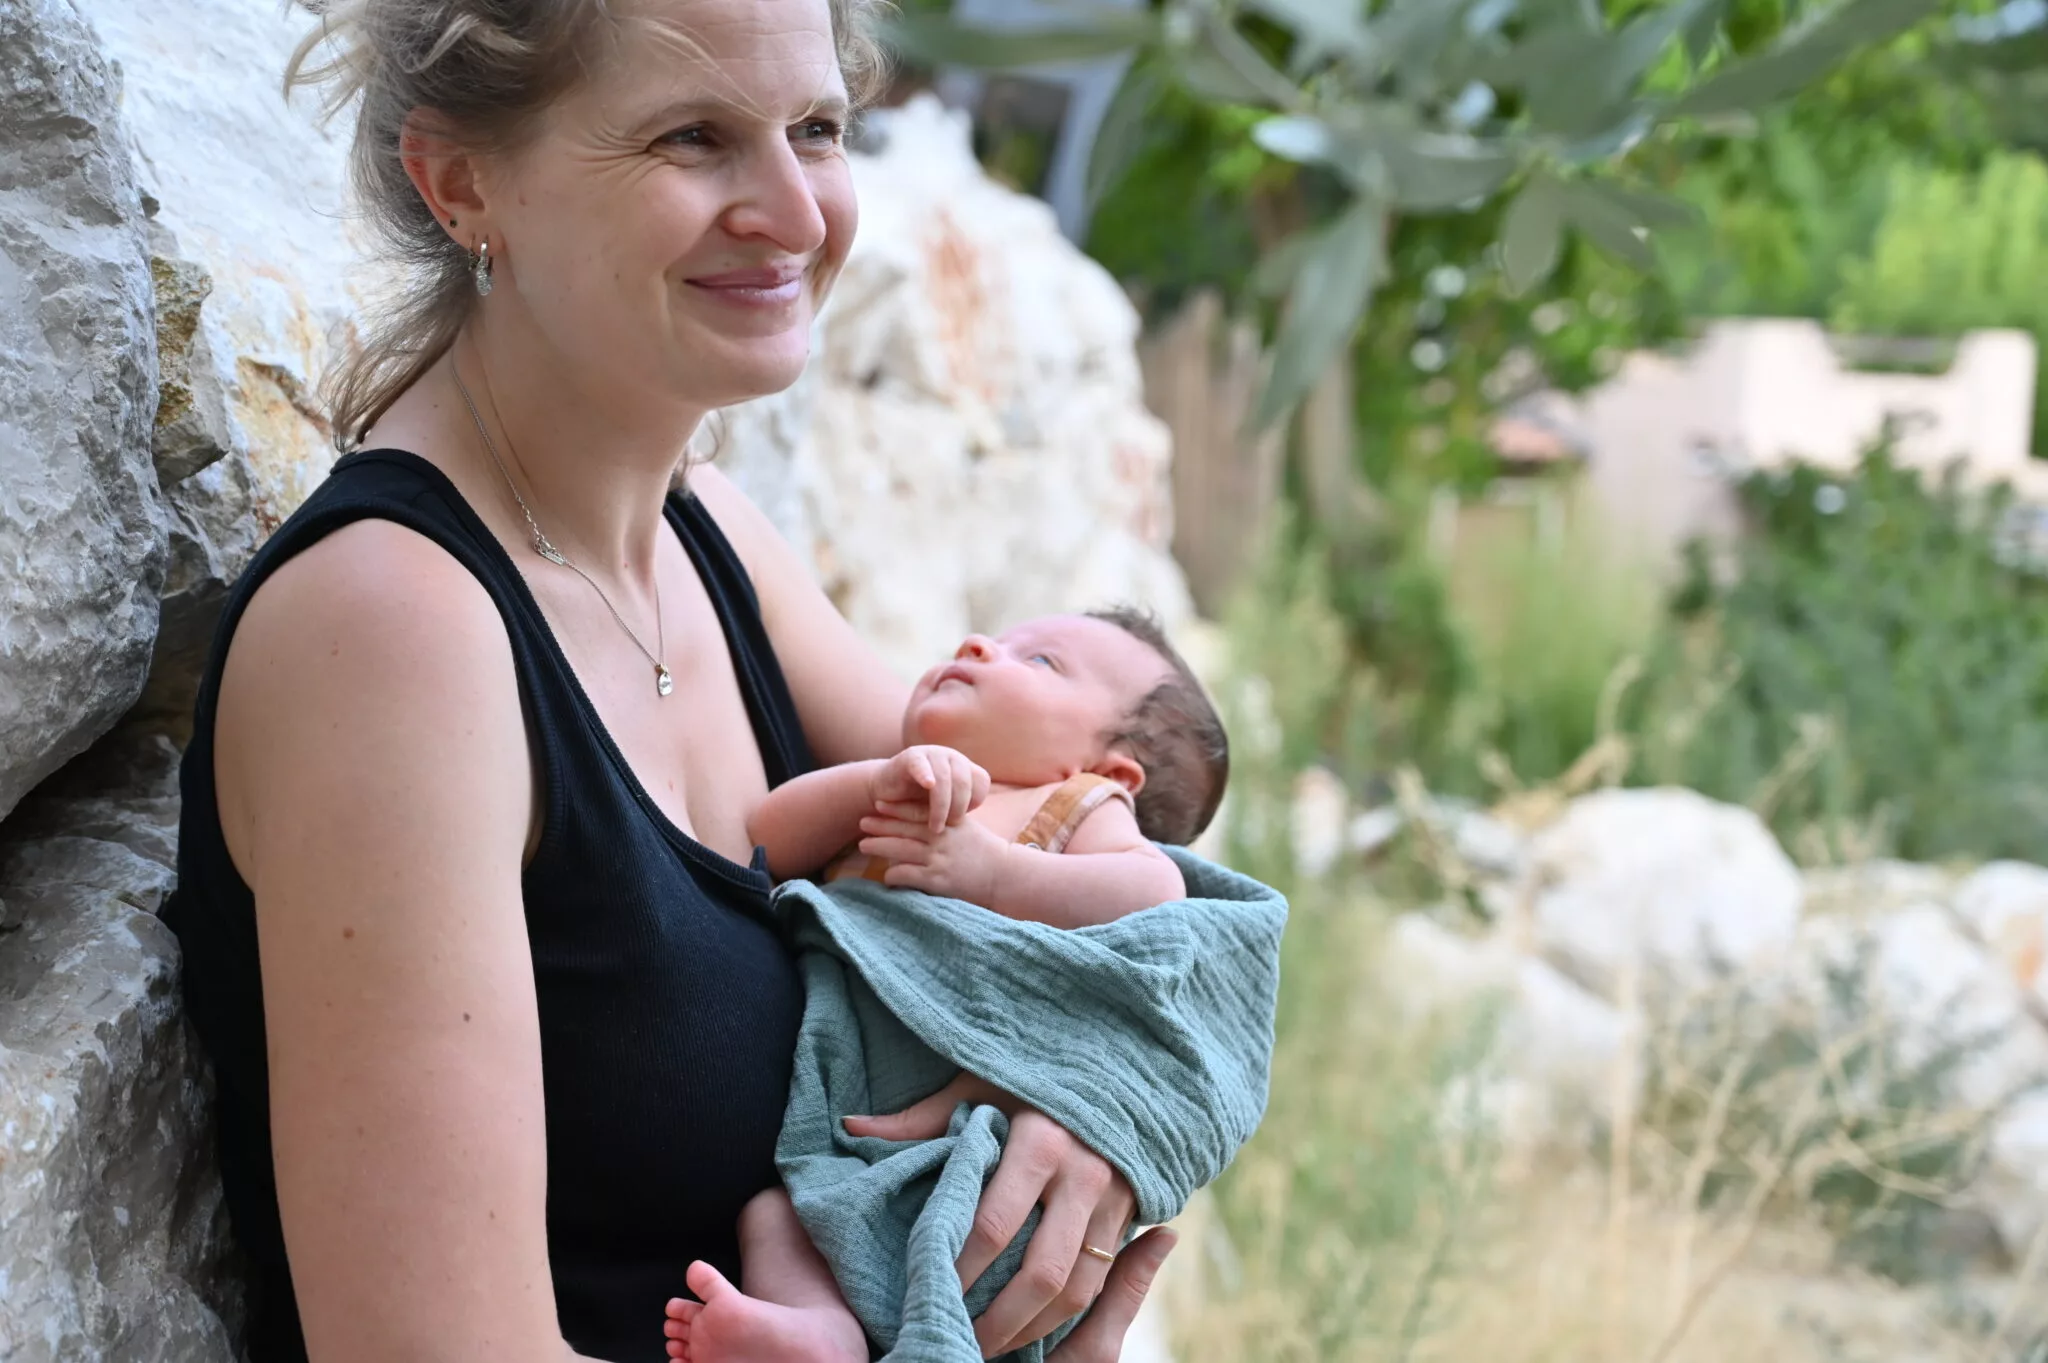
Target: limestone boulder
[82, 531]
[1664, 883]
[113, 1234]
[2006, 905]
[981, 449]
[1559, 1056]
[261, 275]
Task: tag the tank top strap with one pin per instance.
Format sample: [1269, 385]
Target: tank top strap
[1067, 808]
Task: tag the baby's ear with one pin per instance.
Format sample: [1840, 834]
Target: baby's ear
[1121, 768]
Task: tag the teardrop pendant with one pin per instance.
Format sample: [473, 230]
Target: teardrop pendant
[663, 682]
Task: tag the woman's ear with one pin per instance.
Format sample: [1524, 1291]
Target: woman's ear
[446, 177]
[1121, 768]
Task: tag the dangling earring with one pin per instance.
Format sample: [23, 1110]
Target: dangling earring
[480, 267]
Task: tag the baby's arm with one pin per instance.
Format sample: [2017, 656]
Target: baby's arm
[804, 822]
[808, 819]
[1108, 870]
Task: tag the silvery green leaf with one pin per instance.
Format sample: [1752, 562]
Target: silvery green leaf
[1295, 137]
[1607, 225]
[1532, 234]
[1332, 286]
[1275, 272]
[1320, 27]
[1220, 65]
[1801, 57]
[1643, 207]
[1122, 132]
[1432, 171]
[1578, 88]
[1094, 32]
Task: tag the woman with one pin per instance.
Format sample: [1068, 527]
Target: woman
[473, 930]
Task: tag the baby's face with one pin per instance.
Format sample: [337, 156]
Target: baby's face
[1032, 705]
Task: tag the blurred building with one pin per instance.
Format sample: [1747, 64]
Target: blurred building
[1660, 444]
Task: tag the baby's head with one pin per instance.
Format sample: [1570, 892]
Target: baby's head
[1103, 692]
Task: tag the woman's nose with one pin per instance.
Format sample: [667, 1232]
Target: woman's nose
[978, 647]
[777, 202]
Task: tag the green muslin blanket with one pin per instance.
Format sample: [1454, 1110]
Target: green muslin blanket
[1148, 1038]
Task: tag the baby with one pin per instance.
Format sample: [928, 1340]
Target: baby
[1038, 769]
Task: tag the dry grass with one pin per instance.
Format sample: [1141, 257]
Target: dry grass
[1373, 1220]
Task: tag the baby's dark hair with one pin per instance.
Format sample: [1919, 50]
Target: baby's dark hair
[1176, 736]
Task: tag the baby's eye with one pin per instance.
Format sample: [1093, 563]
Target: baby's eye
[1046, 659]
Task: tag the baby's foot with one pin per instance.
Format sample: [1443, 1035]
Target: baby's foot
[729, 1326]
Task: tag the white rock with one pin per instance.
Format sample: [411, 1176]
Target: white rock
[1318, 820]
[2006, 903]
[1559, 1055]
[1664, 881]
[2015, 1185]
[82, 531]
[982, 449]
[113, 1233]
[1930, 987]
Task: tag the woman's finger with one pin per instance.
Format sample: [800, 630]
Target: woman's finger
[1031, 1158]
[1100, 1338]
[1055, 1280]
[900, 850]
[910, 811]
[1110, 1217]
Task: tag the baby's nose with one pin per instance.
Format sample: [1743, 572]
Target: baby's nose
[978, 647]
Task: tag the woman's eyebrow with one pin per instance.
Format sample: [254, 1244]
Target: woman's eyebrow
[699, 107]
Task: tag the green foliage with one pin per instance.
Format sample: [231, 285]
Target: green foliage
[1422, 107]
[1555, 627]
[1954, 251]
[1888, 653]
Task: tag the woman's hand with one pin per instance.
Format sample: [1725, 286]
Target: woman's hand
[1084, 1201]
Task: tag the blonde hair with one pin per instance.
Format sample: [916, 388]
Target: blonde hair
[487, 69]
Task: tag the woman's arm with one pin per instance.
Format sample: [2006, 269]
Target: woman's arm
[850, 702]
[376, 794]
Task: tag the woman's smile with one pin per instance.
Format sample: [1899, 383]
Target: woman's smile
[767, 288]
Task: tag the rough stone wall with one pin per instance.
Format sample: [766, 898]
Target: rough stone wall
[177, 266]
[82, 530]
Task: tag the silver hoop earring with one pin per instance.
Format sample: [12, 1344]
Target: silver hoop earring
[480, 267]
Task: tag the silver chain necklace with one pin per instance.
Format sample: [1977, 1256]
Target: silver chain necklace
[663, 682]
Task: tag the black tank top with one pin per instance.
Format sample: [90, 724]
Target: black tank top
[668, 1003]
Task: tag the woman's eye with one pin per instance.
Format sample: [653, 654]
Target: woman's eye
[697, 136]
[822, 130]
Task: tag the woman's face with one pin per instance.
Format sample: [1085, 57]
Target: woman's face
[682, 214]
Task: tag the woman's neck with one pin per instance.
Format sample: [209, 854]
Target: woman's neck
[592, 470]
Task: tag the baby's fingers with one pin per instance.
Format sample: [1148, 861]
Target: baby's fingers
[903, 851]
[940, 806]
[874, 825]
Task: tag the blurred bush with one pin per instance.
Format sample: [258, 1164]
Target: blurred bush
[1885, 655]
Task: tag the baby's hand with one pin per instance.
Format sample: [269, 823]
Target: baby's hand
[961, 861]
[942, 780]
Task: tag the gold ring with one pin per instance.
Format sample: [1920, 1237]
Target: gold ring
[1101, 1254]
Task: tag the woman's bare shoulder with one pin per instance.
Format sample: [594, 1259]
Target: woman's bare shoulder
[363, 660]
